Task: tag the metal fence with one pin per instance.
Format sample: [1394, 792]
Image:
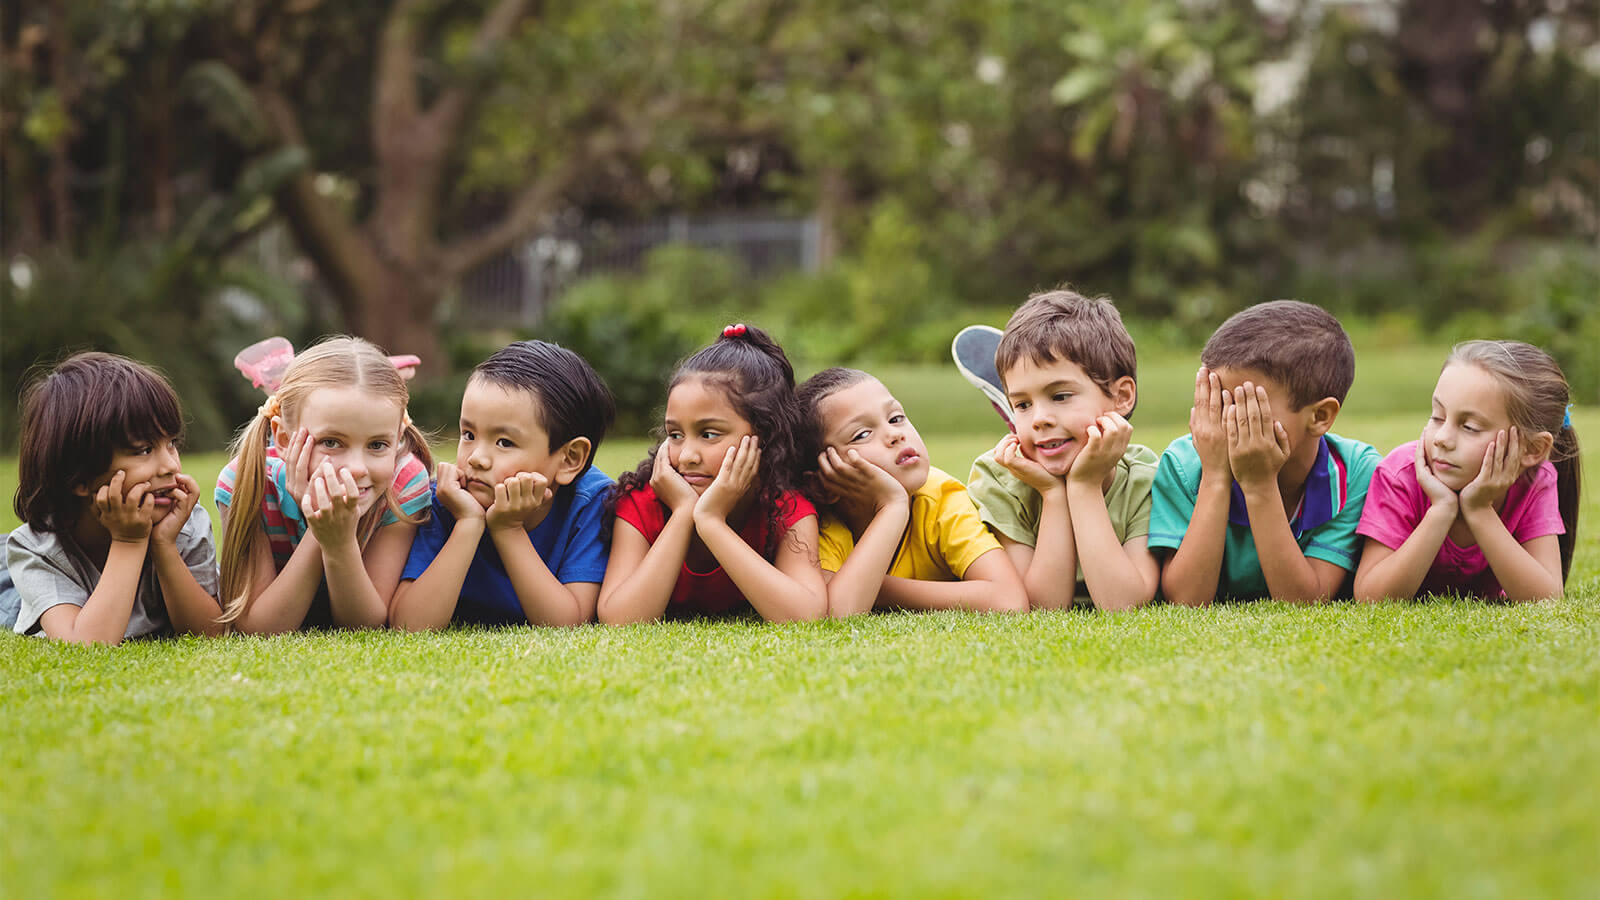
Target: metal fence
[516, 287]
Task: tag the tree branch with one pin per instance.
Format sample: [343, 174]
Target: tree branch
[450, 108]
[535, 200]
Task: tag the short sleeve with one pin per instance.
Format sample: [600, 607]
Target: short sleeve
[962, 535]
[586, 556]
[1336, 541]
[1540, 508]
[42, 580]
[411, 490]
[637, 508]
[1001, 501]
[1141, 465]
[429, 540]
[834, 543]
[199, 550]
[1171, 501]
[1389, 516]
[792, 507]
[225, 480]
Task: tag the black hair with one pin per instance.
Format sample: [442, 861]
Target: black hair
[74, 418]
[571, 398]
[751, 370]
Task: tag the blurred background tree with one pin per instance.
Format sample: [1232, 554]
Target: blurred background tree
[1429, 160]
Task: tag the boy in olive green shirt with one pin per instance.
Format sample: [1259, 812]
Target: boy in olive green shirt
[1068, 494]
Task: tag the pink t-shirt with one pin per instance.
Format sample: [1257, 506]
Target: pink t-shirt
[707, 593]
[1396, 504]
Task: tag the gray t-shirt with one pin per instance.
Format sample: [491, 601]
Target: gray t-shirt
[50, 569]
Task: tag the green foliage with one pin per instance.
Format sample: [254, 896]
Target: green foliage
[1555, 304]
[634, 329]
[158, 301]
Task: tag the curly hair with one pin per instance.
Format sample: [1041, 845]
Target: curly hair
[751, 370]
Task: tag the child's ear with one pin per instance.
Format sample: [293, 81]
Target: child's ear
[1536, 448]
[1323, 412]
[280, 432]
[573, 455]
[1124, 394]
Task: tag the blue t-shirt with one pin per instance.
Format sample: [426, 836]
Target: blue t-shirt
[1324, 525]
[568, 540]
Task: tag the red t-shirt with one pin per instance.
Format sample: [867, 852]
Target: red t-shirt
[707, 593]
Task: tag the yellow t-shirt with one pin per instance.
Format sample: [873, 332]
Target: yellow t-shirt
[943, 537]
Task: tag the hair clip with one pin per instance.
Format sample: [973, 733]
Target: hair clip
[1566, 421]
[733, 331]
[269, 407]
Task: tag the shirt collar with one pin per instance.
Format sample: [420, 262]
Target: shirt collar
[1319, 503]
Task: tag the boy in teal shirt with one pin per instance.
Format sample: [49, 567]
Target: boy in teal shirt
[1260, 499]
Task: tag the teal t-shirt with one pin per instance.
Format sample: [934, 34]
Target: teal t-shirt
[1324, 524]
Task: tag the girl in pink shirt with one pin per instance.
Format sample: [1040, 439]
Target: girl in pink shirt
[1486, 502]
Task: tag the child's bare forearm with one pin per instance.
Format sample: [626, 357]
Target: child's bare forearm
[1400, 573]
[1289, 575]
[354, 600]
[1522, 576]
[776, 596]
[545, 600]
[1191, 575]
[1051, 579]
[643, 594]
[427, 603]
[104, 616]
[1114, 582]
[855, 587]
[192, 610]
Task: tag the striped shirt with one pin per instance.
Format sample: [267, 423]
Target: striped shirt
[280, 512]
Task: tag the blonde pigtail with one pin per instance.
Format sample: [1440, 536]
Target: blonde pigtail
[243, 528]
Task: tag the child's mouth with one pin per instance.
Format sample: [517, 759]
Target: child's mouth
[163, 496]
[907, 457]
[1052, 447]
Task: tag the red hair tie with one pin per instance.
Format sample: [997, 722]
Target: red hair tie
[733, 331]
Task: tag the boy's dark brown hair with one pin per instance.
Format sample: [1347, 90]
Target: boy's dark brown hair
[1064, 324]
[74, 417]
[1301, 346]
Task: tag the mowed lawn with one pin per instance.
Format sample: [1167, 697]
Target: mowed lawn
[1441, 748]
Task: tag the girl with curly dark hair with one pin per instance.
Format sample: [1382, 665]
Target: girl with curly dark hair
[711, 522]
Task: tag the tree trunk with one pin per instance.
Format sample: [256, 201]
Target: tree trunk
[399, 316]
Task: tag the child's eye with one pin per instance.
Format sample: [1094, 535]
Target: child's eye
[710, 435]
[1470, 429]
[897, 418]
[674, 436]
[466, 435]
[328, 444]
[378, 446]
[1021, 405]
[860, 435]
[1437, 420]
[505, 443]
[1061, 397]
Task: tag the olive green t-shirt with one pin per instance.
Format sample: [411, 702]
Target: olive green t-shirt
[1012, 509]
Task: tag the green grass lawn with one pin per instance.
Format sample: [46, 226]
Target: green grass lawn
[1442, 748]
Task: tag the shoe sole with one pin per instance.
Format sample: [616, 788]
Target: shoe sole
[973, 351]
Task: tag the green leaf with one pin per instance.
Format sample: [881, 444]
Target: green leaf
[1079, 84]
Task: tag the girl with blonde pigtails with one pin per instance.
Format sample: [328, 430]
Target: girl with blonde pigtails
[321, 499]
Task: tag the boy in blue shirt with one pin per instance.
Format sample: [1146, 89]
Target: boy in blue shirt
[1260, 498]
[515, 535]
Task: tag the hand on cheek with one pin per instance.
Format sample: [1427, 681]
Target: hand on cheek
[1502, 465]
[1107, 440]
[127, 516]
[1009, 454]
